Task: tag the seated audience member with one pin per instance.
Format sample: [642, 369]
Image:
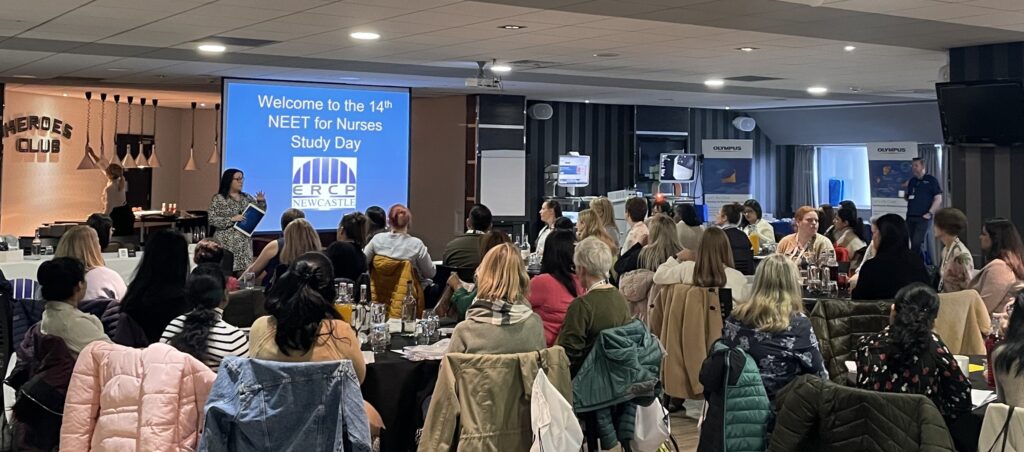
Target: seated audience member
[464, 292]
[957, 263]
[589, 225]
[753, 223]
[464, 250]
[688, 226]
[81, 243]
[602, 307]
[894, 265]
[557, 285]
[268, 260]
[773, 329]
[606, 217]
[806, 238]
[848, 230]
[346, 254]
[103, 226]
[202, 333]
[660, 206]
[565, 224]
[636, 230]
[550, 211]
[299, 238]
[397, 243]
[742, 250]
[302, 325]
[500, 319]
[826, 217]
[156, 295]
[1009, 358]
[1003, 252]
[712, 267]
[62, 283]
[662, 244]
[211, 253]
[907, 357]
[378, 220]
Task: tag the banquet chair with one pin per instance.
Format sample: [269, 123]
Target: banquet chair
[244, 307]
[388, 280]
[838, 324]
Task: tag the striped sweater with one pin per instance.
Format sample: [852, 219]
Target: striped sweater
[225, 339]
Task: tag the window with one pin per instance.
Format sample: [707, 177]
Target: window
[848, 164]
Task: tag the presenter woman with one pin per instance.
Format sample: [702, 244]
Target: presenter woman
[226, 209]
[115, 200]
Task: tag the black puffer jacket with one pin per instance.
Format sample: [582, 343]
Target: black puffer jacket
[839, 324]
[815, 414]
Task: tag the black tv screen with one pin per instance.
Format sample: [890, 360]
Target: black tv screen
[984, 112]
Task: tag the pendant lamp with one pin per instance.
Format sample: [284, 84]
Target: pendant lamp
[153, 161]
[140, 161]
[87, 159]
[103, 124]
[128, 161]
[191, 164]
[215, 155]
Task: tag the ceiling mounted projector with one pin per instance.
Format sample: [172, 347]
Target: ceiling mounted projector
[744, 123]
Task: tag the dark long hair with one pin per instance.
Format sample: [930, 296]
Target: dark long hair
[893, 236]
[825, 215]
[164, 266]
[353, 225]
[205, 291]
[378, 221]
[916, 307]
[1006, 244]
[851, 218]
[301, 299]
[751, 204]
[557, 259]
[687, 214]
[1013, 349]
[225, 181]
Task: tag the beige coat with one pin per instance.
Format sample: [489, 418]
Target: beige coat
[687, 319]
[963, 322]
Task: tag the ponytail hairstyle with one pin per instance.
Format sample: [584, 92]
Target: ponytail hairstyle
[206, 289]
[1013, 349]
[855, 223]
[399, 217]
[300, 300]
[916, 307]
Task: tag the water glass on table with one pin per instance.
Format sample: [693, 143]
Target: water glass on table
[379, 337]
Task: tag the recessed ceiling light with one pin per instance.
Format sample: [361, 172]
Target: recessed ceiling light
[512, 27]
[747, 49]
[65, 94]
[606, 55]
[714, 83]
[817, 90]
[850, 48]
[728, 108]
[586, 101]
[364, 35]
[500, 68]
[117, 69]
[211, 48]
[23, 76]
[202, 105]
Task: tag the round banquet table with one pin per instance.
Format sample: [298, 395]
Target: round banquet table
[397, 388]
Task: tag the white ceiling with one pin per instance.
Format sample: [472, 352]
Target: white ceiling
[432, 45]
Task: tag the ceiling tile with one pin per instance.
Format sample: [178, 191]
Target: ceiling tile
[484, 10]
[368, 12]
[556, 17]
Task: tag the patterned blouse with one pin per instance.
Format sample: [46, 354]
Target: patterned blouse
[934, 374]
[781, 356]
[956, 269]
[221, 211]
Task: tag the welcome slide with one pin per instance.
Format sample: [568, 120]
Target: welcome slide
[325, 149]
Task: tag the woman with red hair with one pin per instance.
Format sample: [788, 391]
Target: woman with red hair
[396, 243]
[806, 237]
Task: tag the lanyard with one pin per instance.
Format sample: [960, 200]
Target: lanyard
[599, 283]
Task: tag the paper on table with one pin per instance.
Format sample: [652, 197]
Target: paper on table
[980, 397]
[394, 326]
[368, 357]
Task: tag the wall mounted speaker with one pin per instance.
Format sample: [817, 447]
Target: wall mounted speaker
[744, 123]
[541, 112]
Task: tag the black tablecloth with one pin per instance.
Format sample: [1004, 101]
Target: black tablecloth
[397, 387]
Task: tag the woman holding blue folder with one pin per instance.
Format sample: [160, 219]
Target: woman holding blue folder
[226, 209]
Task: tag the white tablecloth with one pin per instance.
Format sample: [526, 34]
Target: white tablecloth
[124, 266]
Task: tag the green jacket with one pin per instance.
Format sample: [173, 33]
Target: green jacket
[622, 370]
[737, 404]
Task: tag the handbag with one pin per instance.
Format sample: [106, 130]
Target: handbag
[555, 427]
[652, 427]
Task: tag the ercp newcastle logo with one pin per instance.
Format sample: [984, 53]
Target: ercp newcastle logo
[323, 183]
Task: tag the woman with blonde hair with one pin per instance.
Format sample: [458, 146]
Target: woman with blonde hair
[664, 243]
[82, 243]
[116, 192]
[299, 238]
[773, 328]
[712, 267]
[500, 320]
[606, 215]
[589, 224]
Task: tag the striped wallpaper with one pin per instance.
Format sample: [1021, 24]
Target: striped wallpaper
[985, 182]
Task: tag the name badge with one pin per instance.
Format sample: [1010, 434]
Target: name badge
[910, 197]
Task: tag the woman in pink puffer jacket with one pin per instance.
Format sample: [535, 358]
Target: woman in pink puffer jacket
[127, 399]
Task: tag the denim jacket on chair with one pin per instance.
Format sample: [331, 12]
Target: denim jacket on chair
[258, 405]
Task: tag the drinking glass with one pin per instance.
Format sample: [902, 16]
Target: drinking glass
[378, 313]
[421, 333]
[843, 281]
[379, 338]
[433, 324]
[248, 280]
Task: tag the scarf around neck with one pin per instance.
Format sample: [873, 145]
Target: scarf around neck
[498, 312]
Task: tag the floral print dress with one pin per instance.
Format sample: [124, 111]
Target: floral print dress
[221, 210]
[780, 356]
[934, 373]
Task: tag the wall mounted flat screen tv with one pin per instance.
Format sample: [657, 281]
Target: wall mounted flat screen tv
[982, 112]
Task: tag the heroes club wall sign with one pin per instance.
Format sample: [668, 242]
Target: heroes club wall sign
[40, 133]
